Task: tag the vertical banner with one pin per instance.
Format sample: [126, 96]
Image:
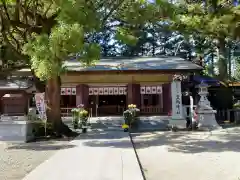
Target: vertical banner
[40, 105]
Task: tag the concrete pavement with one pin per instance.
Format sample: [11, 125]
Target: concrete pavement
[190, 155]
[107, 155]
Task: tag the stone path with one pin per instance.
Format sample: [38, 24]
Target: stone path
[190, 155]
[95, 156]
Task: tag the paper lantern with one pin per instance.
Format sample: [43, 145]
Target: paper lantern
[143, 90]
[63, 91]
[100, 91]
[124, 90]
[106, 91]
[73, 91]
[159, 89]
[148, 90]
[110, 91]
[154, 90]
[120, 91]
[90, 91]
[95, 91]
[115, 91]
[69, 91]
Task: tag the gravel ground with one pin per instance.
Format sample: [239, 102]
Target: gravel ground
[18, 159]
[190, 155]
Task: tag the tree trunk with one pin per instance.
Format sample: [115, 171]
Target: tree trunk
[222, 60]
[53, 107]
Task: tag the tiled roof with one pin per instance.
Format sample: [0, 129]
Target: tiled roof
[15, 84]
[136, 63]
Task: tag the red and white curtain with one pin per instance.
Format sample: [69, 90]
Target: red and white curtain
[107, 90]
[68, 91]
[151, 89]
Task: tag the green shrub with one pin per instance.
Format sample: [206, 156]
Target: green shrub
[39, 128]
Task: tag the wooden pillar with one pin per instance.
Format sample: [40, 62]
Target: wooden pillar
[26, 97]
[82, 95]
[1, 103]
[167, 98]
[133, 94]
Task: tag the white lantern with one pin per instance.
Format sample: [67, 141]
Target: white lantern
[143, 90]
[73, 91]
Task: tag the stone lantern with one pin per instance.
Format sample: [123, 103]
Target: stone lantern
[205, 113]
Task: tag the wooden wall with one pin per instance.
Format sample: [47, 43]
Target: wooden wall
[137, 78]
[14, 105]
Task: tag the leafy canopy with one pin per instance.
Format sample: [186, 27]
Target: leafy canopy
[76, 21]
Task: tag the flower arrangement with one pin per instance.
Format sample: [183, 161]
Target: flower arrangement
[131, 115]
[83, 123]
[75, 117]
[80, 118]
[83, 113]
[130, 106]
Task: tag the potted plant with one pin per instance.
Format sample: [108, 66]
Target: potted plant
[83, 115]
[131, 116]
[75, 117]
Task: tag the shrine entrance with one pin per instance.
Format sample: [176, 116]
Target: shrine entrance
[107, 101]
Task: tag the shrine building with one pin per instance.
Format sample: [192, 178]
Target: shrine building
[111, 84]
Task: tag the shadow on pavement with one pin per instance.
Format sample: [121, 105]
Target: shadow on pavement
[113, 139]
[40, 146]
[189, 142]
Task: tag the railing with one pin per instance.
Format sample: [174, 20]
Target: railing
[151, 110]
[228, 115]
[222, 115]
[110, 110]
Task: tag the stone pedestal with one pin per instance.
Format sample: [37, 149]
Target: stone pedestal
[177, 120]
[207, 120]
[16, 128]
[205, 113]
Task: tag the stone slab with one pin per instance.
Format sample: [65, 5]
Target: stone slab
[95, 156]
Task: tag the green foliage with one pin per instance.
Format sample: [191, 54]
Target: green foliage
[79, 11]
[124, 36]
[48, 52]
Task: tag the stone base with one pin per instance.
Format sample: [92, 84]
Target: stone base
[207, 121]
[177, 123]
[202, 127]
[16, 128]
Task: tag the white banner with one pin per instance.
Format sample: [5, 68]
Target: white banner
[40, 105]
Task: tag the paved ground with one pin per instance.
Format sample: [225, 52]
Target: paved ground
[188, 156]
[105, 155]
[16, 160]
[115, 122]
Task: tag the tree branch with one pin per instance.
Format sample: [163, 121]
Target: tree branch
[114, 8]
